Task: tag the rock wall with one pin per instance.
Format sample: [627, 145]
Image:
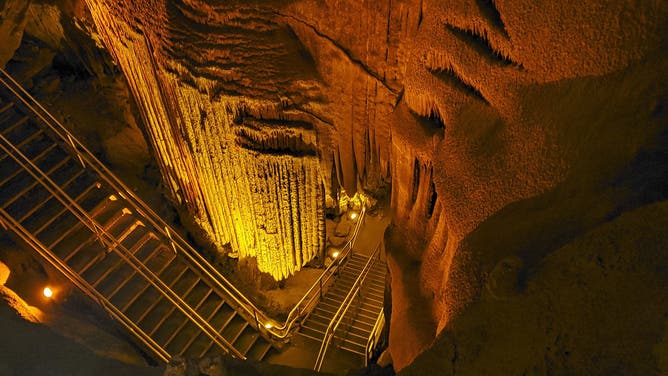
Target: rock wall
[532, 125]
[231, 141]
[257, 113]
[12, 23]
[525, 143]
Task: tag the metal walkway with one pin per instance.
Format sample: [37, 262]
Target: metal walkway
[348, 313]
[63, 203]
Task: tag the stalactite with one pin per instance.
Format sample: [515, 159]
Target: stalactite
[242, 166]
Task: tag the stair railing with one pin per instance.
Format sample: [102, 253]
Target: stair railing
[249, 310]
[316, 291]
[113, 244]
[374, 337]
[84, 286]
[355, 292]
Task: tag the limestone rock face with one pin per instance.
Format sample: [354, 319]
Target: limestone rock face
[523, 136]
[12, 23]
[525, 143]
[255, 116]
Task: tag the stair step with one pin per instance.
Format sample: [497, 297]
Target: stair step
[198, 346]
[231, 329]
[246, 340]
[16, 132]
[321, 316]
[316, 325]
[8, 117]
[352, 277]
[372, 307]
[354, 348]
[168, 329]
[25, 200]
[218, 320]
[193, 338]
[259, 350]
[234, 329]
[350, 336]
[186, 330]
[21, 179]
[361, 328]
[312, 333]
[201, 342]
[50, 199]
[112, 262]
[130, 248]
[5, 106]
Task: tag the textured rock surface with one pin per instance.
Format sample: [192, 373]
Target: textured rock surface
[509, 128]
[231, 141]
[256, 113]
[525, 142]
[595, 306]
[531, 136]
[12, 23]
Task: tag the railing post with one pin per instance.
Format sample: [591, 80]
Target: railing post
[257, 322]
[69, 138]
[171, 241]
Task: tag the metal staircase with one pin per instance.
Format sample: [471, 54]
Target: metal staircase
[348, 313]
[63, 203]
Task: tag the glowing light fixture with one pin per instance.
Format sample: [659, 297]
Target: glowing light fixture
[48, 292]
[353, 215]
[268, 325]
[335, 254]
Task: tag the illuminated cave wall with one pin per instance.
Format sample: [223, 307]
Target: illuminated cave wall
[244, 165]
[528, 158]
[254, 115]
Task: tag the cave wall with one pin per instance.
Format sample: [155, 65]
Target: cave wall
[12, 23]
[535, 124]
[525, 143]
[507, 129]
[260, 112]
[237, 155]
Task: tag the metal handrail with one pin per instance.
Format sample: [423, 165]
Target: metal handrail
[136, 203]
[113, 244]
[316, 289]
[373, 336]
[345, 305]
[87, 158]
[84, 286]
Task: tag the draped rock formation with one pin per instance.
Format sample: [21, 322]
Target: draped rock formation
[525, 143]
[249, 119]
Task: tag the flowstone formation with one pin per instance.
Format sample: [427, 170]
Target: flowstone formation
[244, 129]
[525, 143]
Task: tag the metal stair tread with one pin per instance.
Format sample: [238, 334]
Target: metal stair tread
[259, 349]
[108, 273]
